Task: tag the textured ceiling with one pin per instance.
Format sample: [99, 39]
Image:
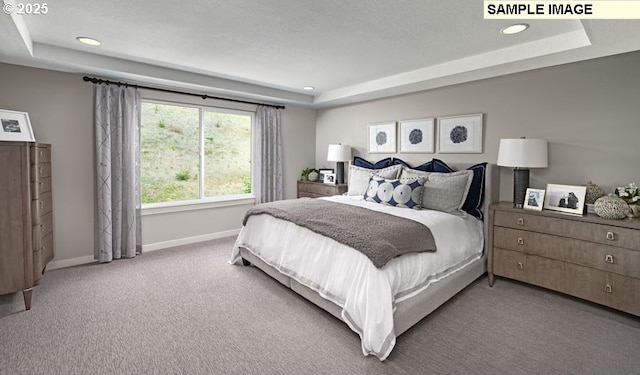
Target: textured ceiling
[349, 50]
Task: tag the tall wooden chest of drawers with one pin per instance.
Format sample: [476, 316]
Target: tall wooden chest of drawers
[26, 216]
[584, 256]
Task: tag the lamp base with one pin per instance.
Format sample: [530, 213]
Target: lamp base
[520, 185]
[340, 172]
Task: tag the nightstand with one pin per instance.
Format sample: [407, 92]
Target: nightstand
[319, 189]
[587, 256]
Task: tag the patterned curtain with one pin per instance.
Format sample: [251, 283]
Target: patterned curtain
[117, 130]
[268, 151]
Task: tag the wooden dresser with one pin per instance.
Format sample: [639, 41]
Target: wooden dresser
[26, 216]
[319, 189]
[584, 256]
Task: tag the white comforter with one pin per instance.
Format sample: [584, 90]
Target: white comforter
[366, 294]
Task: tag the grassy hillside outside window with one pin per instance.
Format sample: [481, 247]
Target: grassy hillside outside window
[193, 153]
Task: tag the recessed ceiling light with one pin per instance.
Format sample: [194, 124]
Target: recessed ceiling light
[89, 41]
[308, 88]
[514, 29]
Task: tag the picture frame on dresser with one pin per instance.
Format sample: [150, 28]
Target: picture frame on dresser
[322, 172]
[565, 198]
[329, 178]
[15, 126]
[534, 199]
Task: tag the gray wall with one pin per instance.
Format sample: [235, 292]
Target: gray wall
[60, 106]
[588, 111]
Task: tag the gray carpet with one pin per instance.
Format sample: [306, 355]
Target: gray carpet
[186, 311]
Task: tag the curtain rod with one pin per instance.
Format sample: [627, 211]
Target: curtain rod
[99, 81]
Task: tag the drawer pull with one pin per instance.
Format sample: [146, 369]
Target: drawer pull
[520, 221]
[611, 236]
[520, 266]
[607, 288]
[520, 241]
[608, 258]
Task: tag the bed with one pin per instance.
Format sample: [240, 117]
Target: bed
[378, 303]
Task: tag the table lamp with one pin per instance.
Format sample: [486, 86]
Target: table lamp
[339, 153]
[522, 154]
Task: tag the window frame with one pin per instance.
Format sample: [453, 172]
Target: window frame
[204, 202]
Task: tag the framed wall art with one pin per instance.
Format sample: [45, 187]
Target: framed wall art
[416, 136]
[382, 138]
[460, 134]
[565, 198]
[15, 126]
[534, 199]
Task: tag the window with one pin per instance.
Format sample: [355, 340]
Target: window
[193, 153]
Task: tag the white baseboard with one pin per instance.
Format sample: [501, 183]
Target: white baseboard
[189, 240]
[63, 263]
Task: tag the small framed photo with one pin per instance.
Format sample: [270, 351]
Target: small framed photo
[460, 134]
[382, 138]
[534, 199]
[416, 136]
[565, 198]
[329, 178]
[322, 172]
[15, 126]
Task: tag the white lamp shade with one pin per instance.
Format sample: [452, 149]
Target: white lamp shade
[339, 153]
[523, 153]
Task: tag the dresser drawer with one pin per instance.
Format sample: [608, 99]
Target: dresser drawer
[39, 187]
[607, 258]
[41, 207]
[509, 264]
[321, 189]
[39, 231]
[40, 170]
[528, 268]
[40, 154]
[315, 190]
[304, 194]
[619, 292]
[604, 234]
[46, 250]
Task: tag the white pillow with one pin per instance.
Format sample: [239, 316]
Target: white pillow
[359, 177]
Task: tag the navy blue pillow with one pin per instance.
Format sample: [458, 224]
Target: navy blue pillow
[426, 167]
[360, 162]
[397, 161]
[473, 204]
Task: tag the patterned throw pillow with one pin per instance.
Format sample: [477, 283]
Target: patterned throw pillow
[395, 192]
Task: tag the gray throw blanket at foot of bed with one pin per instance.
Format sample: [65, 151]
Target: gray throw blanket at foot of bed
[378, 235]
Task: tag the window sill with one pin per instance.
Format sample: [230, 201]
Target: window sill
[201, 204]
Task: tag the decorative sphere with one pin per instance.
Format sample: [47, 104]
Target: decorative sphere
[593, 193]
[611, 208]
